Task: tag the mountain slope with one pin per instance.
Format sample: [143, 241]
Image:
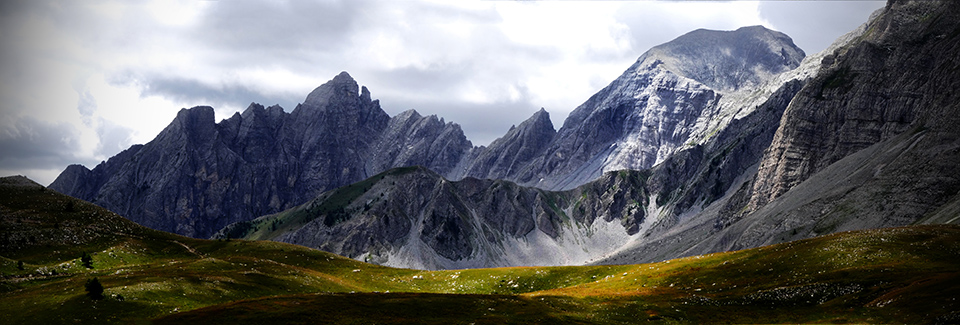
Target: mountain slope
[882, 86]
[905, 275]
[870, 142]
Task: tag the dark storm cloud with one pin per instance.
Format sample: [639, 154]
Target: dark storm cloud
[425, 91]
[278, 28]
[38, 144]
[813, 26]
[197, 93]
[415, 80]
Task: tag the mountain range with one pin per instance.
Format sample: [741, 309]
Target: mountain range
[717, 140]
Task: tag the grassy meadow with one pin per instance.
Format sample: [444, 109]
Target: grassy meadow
[895, 275]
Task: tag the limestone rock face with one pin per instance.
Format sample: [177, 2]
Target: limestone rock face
[869, 142]
[868, 92]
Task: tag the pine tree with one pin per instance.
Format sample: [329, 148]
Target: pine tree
[94, 289]
[86, 260]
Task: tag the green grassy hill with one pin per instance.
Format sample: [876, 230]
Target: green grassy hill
[902, 275]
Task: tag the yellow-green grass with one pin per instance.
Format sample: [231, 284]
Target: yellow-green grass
[902, 275]
[896, 275]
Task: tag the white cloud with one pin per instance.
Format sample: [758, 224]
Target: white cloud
[125, 105]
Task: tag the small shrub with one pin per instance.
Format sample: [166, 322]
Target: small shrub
[20, 265]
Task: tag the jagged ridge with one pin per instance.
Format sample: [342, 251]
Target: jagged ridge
[198, 176]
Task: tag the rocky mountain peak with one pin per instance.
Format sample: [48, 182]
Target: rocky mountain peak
[253, 109]
[274, 110]
[196, 123]
[340, 87]
[536, 130]
[408, 115]
[196, 116]
[273, 114]
[365, 95]
[541, 116]
[655, 108]
[726, 60]
[412, 139]
[197, 175]
[539, 122]
[511, 153]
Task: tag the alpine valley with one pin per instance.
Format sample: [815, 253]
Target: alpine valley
[714, 141]
[759, 183]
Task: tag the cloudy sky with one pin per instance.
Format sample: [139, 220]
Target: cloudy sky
[82, 80]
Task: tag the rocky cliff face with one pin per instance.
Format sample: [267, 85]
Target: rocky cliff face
[198, 175]
[869, 142]
[753, 54]
[867, 92]
[883, 111]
